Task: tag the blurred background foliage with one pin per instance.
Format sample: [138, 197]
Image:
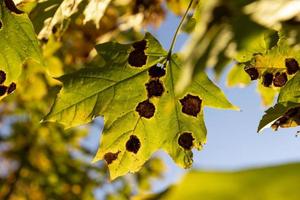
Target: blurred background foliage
[44, 161]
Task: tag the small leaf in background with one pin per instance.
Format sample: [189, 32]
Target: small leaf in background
[57, 22]
[18, 42]
[94, 11]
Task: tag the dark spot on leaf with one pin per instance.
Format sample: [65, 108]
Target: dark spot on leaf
[279, 122]
[154, 88]
[3, 90]
[110, 157]
[156, 71]
[44, 40]
[11, 88]
[285, 120]
[253, 73]
[185, 140]
[2, 76]
[133, 144]
[191, 105]
[0, 24]
[267, 79]
[292, 112]
[280, 79]
[292, 65]
[12, 7]
[54, 29]
[137, 58]
[145, 109]
[140, 45]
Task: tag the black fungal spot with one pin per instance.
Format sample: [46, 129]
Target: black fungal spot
[110, 157]
[3, 90]
[191, 105]
[292, 65]
[267, 79]
[145, 109]
[2, 76]
[185, 140]
[156, 71]
[12, 7]
[0, 24]
[133, 144]
[137, 58]
[280, 79]
[11, 88]
[253, 73]
[140, 45]
[154, 88]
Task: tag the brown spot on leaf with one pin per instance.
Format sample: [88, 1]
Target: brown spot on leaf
[253, 73]
[185, 140]
[3, 90]
[12, 7]
[267, 79]
[54, 29]
[292, 65]
[145, 109]
[191, 105]
[156, 71]
[286, 120]
[110, 157]
[140, 45]
[280, 79]
[133, 144]
[154, 88]
[11, 88]
[2, 76]
[137, 58]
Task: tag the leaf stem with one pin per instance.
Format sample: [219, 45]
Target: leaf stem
[177, 31]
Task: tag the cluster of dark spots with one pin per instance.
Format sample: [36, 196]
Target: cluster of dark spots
[11, 88]
[286, 118]
[110, 157]
[3, 90]
[133, 144]
[292, 65]
[140, 45]
[267, 79]
[280, 79]
[12, 7]
[2, 76]
[138, 58]
[185, 140]
[154, 88]
[156, 71]
[145, 109]
[191, 105]
[252, 72]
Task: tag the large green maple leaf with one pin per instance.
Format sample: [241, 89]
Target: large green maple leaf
[18, 40]
[134, 91]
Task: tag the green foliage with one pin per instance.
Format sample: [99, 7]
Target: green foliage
[18, 41]
[274, 183]
[150, 99]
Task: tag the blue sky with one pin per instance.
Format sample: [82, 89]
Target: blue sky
[232, 142]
